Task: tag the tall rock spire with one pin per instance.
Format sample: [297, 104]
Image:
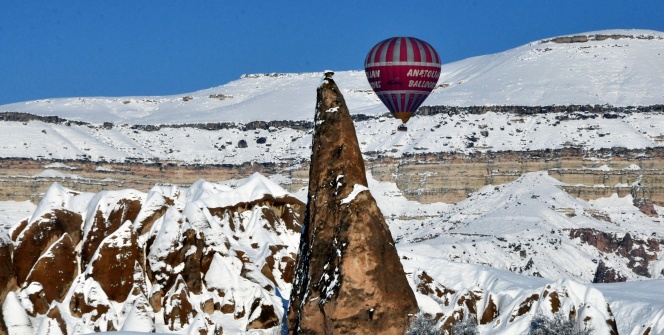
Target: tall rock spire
[349, 279]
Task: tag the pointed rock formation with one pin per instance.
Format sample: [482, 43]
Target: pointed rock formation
[53, 323]
[107, 218]
[56, 269]
[178, 310]
[349, 279]
[114, 264]
[38, 236]
[176, 251]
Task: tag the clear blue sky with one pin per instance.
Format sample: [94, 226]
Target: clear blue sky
[52, 49]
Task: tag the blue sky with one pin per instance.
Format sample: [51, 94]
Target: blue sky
[51, 49]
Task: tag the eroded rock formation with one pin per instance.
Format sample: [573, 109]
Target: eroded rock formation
[496, 310]
[349, 279]
[144, 259]
[639, 253]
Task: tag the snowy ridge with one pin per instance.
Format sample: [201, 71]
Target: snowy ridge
[619, 72]
[525, 226]
[625, 71]
[248, 250]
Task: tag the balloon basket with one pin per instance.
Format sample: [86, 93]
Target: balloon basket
[402, 128]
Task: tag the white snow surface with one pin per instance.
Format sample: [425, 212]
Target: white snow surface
[619, 72]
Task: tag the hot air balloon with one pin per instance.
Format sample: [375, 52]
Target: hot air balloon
[402, 71]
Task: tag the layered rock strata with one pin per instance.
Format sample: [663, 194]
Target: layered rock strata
[349, 279]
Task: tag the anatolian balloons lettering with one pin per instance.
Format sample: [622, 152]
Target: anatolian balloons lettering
[402, 71]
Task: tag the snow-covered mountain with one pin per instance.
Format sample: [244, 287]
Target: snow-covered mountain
[614, 67]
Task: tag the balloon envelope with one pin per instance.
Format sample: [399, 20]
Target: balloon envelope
[402, 71]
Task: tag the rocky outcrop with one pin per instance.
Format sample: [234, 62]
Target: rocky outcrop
[115, 263]
[571, 111]
[38, 236]
[147, 256]
[638, 252]
[606, 274]
[179, 246]
[178, 310]
[107, 218]
[56, 269]
[597, 37]
[498, 311]
[349, 279]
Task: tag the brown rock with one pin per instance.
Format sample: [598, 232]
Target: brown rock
[38, 236]
[88, 298]
[348, 268]
[605, 274]
[638, 253]
[154, 208]
[491, 312]
[7, 274]
[35, 293]
[156, 297]
[267, 318]
[114, 266]
[101, 227]
[56, 269]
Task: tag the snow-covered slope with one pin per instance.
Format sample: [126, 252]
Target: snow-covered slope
[621, 71]
[456, 257]
[438, 133]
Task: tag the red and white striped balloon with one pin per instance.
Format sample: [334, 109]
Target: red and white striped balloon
[402, 71]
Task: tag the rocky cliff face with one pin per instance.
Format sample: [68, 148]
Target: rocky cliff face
[202, 259]
[349, 279]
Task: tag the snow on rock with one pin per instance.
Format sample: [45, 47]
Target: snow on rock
[348, 278]
[137, 313]
[35, 237]
[53, 323]
[178, 310]
[356, 190]
[532, 226]
[256, 187]
[114, 262]
[176, 250]
[56, 269]
[500, 301]
[148, 255]
[15, 317]
[105, 213]
[90, 305]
